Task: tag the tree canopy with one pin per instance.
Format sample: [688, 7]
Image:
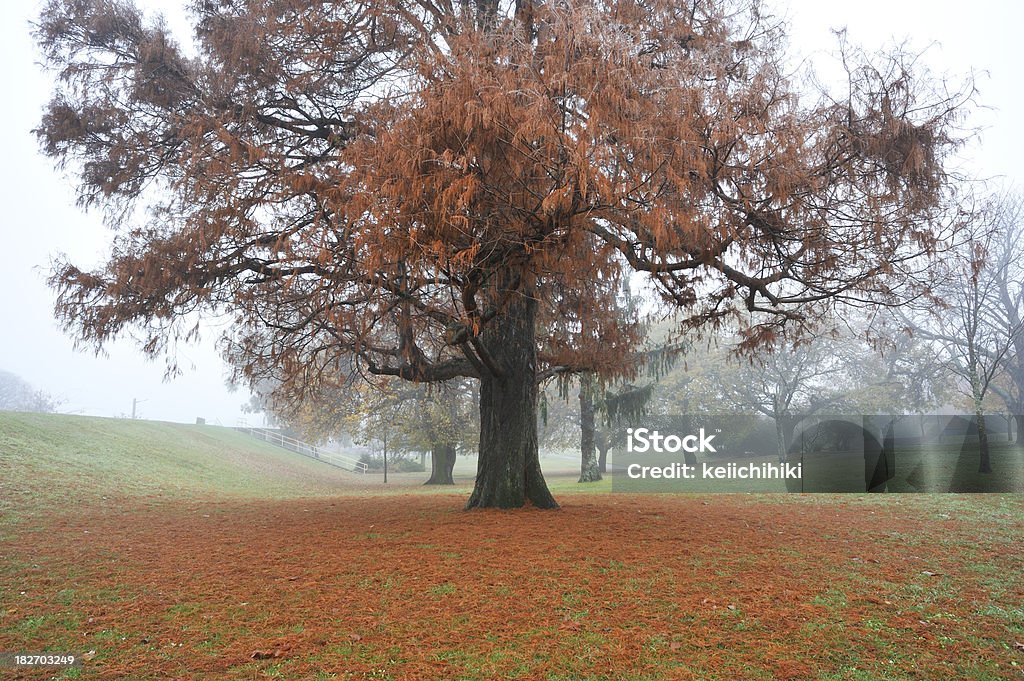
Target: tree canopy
[430, 189]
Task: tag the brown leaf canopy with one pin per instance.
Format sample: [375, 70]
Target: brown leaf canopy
[373, 182]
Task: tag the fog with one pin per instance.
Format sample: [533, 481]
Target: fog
[40, 218]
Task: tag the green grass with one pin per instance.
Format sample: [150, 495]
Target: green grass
[953, 467]
[51, 459]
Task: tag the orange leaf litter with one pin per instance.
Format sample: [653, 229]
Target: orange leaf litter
[411, 587]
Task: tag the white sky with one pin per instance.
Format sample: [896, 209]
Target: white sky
[40, 220]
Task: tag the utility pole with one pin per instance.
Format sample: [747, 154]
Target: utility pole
[135, 403]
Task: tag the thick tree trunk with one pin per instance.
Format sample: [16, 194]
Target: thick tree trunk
[589, 471]
[442, 463]
[508, 468]
[1018, 421]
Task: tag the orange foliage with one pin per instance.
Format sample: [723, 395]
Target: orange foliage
[375, 182]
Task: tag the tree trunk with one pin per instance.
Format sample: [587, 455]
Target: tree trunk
[508, 468]
[985, 462]
[784, 426]
[780, 440]
[589, 471]
[1018, 421]
[442, 463]
[603, 445]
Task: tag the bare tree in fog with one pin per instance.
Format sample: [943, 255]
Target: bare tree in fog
[976, 325]
[17, 394]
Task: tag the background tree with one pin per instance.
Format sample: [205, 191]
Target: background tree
[779, 381]
[596, 393]
[841, 370]
[414, 183]
[979, 352]
[444, 422]
[590, 422]
[980, 317]
[374, 419]
[903, 376]
[17, 394]
[603, 404]
[976, 327]
[1006, 261]
[440, 419]
[590, 469]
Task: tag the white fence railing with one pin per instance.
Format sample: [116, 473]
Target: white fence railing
[304, 448]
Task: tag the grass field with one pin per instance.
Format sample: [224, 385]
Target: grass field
[189, 552]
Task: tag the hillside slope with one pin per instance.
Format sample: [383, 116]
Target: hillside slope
[44, 456]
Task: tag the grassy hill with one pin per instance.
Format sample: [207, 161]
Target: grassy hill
[51, 461]
[47, 456]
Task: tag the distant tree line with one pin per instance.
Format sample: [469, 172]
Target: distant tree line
[17, 394]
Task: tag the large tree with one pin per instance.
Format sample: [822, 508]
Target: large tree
[418, 183]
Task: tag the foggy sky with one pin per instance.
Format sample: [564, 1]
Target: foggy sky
[39, 218]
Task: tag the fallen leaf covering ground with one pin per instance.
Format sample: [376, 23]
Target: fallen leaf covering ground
[609, 587]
